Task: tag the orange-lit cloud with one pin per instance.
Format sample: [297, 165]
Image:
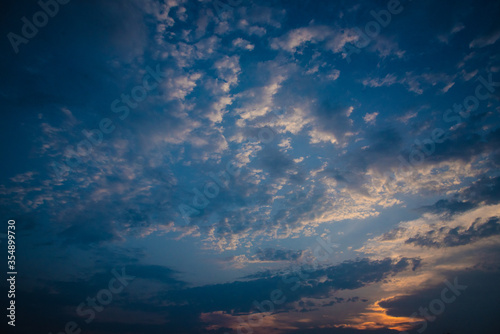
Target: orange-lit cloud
[376, 318]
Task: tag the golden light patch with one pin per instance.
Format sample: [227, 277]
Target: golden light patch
[377, 318]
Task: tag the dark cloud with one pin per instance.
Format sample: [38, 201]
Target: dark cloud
[340, 331]
[275, 162]
[182, 305]
[163, 275]
[381, 151]
[334, 119]
[457, 316]
[452, 237]
[273, 254]
[392, 234]
[486, 190]
[301, 206]
[297, 283]
[464, 142]
[450, 206]
[65, 296]
[351, 179]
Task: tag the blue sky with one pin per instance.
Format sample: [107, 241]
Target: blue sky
[255, 166]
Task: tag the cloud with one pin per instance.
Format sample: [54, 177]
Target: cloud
[298, 37]
[273, 254]
[438, 239]
[388, 80]
[334, 75]
[332, 123]
[458, 236]
[256, 67]
[258, 101]
[275, 162]
[267, 255]
[333, 39]
[456, 316]
[349, 275]
[228, 70]
[65, 296]
[386, 47]
[243, 44]
[483, 41]
[446, 37]
[406, 117]
[412, 81]
[484, 191]
[370, 118]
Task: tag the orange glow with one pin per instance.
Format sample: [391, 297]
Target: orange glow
[377, 318]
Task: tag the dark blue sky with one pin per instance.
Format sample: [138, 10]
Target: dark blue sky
[238, 166]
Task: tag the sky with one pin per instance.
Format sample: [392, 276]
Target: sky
[241, 166]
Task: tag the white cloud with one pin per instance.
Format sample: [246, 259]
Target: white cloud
[335, 40]
[228, 70]
[298, 37]
[243, 44]
[370, 118]
[181, 86]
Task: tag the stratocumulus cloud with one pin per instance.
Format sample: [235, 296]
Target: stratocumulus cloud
[243, 166]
